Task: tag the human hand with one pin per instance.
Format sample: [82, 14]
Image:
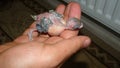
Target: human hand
[45, 51]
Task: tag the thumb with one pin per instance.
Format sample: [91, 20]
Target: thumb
[67, 47]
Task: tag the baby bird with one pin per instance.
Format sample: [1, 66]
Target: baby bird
[53, 23]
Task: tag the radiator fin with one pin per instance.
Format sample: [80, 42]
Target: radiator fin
[105, 11]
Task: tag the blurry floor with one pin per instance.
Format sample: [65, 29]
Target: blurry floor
[83, 59]
[15, 18]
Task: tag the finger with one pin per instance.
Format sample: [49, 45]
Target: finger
[22, 39]
[41, 39]
[60, 9]
[53, 40]
[33, 25]
[25, 38]
[73, 10]
[34, 33]
[44, 35]
[67, 11]
[64, 49]
[69, 33]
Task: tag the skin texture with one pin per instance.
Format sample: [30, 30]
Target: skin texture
[44, 51]
[50, 22]
[53, 23]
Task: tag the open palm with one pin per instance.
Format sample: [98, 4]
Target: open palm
[45, 51]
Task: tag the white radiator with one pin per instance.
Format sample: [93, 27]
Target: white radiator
[105, 11]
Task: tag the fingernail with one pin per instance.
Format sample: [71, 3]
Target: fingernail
[87, 43]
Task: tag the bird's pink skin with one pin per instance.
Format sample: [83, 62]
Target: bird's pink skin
[58, 26]
[56, 30]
